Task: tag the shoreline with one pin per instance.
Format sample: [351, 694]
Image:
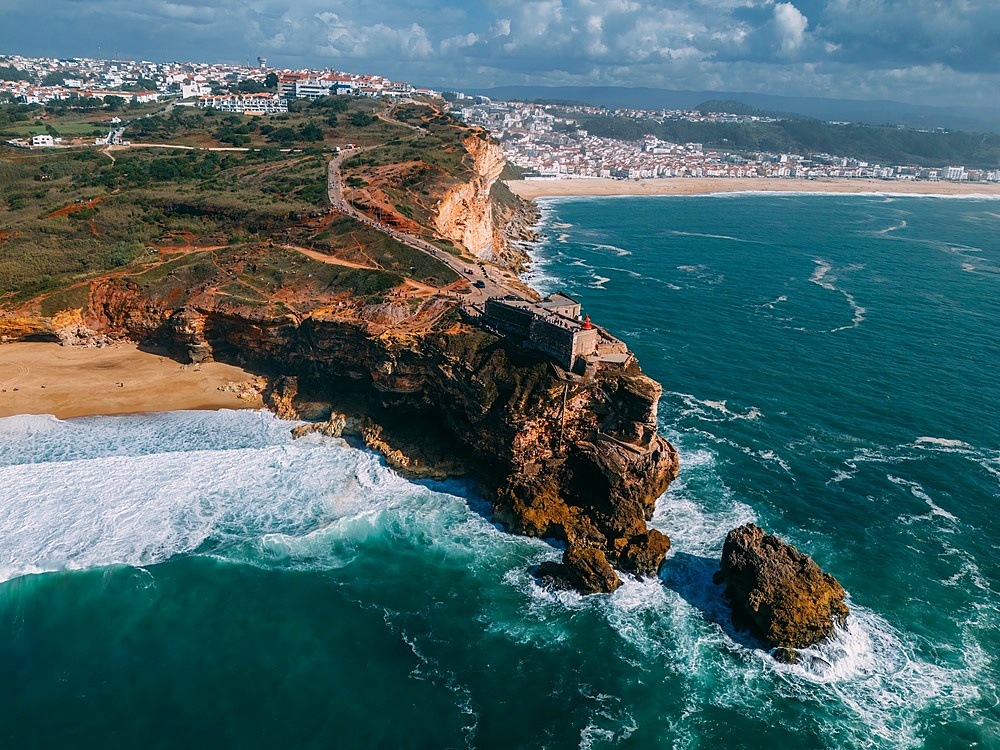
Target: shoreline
[39, 378]
[600, 187]
[73, 381]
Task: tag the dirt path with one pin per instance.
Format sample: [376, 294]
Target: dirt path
[74, 207]
[323, 258]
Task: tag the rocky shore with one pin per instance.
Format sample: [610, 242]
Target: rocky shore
[571, 457]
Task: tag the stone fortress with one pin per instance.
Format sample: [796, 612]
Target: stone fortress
[554, 327]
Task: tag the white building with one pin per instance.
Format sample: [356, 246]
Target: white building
[41, 141]
[955, 173]
[195, 89]
[251, 104]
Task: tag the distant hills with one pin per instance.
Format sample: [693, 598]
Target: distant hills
[878, 112]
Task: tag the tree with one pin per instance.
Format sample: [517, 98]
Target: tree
[114, 103]
[311, 132]
[361, 119]
[10, 73]
[271, 81]
[249, 86]
[55, 78]
[285, 136]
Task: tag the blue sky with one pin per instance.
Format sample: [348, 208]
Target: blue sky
[920, 51]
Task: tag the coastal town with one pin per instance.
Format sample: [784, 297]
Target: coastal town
[32, 80]
[544, 142]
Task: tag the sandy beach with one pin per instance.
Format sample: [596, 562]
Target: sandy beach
[707, 185]
[68, 381]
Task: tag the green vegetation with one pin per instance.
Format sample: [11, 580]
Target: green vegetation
[882, 144]
[10, 73]
[355, 242]
[254, 277]
[512, 172]
[439, 148]
[50, 234]
[179, 221]
[328, 122]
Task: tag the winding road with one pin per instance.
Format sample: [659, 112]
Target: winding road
[467, 269]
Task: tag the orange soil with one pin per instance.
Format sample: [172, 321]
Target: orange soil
[74, 207]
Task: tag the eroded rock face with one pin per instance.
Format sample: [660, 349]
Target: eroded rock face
[778, 592]
[644, 554]
[578, 459]
[465, 213]
[584, 569]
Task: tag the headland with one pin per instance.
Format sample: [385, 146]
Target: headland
[373, 290]
[373, 287]
[530, 189]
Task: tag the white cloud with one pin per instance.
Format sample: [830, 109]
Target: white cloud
[790, 25]
[936, 48]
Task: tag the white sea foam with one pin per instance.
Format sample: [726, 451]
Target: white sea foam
[944, 442]
[715, 237]
[819, 277]
[275, 502]
[620, 252]
[918, 492]
[894, 228]
[711, 411]
[627, 271]
[610, 722]
[598, 281]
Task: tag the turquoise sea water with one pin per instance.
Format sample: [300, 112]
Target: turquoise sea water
[830, 372]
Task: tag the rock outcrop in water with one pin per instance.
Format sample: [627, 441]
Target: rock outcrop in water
[779, 593]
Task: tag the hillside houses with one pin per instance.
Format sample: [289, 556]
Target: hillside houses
[143, 81]
[250, 104]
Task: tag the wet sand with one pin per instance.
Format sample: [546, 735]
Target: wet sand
[70, 381]
[708, 185]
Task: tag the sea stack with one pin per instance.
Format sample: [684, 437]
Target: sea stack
[779, 593]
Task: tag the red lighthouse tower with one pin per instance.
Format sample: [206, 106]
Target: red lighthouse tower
[587, 325]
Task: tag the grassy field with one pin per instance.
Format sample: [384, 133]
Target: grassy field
[52, 234]
[350, 240]
[323, 123]
[67, 215]
[21, 120]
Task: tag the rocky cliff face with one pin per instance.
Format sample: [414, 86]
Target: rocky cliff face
[576, 459]
[465, 213]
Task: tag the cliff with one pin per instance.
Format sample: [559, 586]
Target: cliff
[482, 215]
[561, 456]
[464, 213]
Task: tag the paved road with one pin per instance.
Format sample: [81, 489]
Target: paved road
[487, 275]
[492, 286]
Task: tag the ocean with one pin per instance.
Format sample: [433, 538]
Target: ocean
[829, 365]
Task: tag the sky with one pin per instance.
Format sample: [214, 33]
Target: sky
[916, 51]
